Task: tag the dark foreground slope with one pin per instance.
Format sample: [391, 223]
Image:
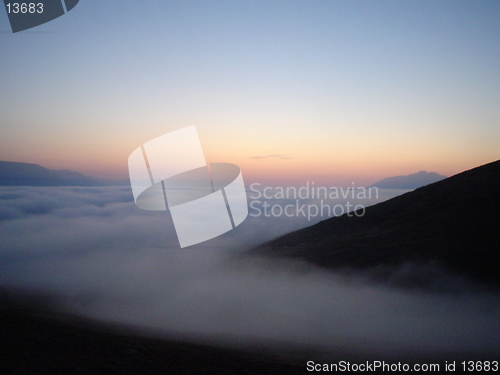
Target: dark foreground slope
[40, 342]
[454, 223]
[37, 341]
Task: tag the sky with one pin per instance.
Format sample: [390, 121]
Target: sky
[291, 91]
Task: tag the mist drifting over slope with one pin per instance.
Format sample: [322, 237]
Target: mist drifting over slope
[103, 257]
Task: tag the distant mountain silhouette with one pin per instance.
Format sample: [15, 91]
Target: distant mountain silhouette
[25, 174]
[454, 224]
[412, 181]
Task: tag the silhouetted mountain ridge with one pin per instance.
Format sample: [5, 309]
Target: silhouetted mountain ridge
[26, 174]
[454, 223]
[412, 181]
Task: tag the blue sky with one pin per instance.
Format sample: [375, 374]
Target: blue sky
[344, 89]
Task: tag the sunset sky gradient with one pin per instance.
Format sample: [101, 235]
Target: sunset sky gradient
[290, 91]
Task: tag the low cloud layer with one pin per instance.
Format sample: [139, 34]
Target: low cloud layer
[105, 258]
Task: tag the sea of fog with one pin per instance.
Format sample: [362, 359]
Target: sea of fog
[103, 257]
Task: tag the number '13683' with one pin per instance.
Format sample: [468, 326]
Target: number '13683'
[24, 8]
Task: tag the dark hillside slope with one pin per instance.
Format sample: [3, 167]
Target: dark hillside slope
[34, 341]
[454, 222]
